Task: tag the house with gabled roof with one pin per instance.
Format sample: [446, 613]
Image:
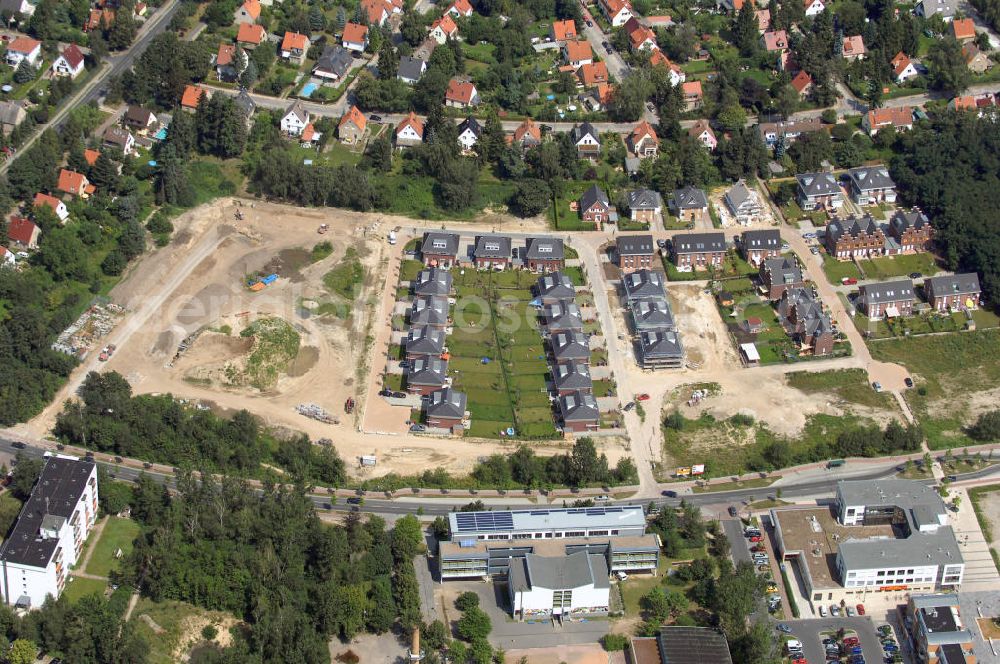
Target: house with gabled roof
[690, 204]
[877, 119]
[563, 30]
[562, 316]
[578, 53]
[660, 349]
[439, 249]
[780, 274]
[595, 207]
[651, 314]
[334, 63]
[69, 63]
[57, 206]
[618, 12]
[587, 140]
[642, 141]
[443, 29]
[432, 281]
[674, 72]
[23, 49]
[804, 319]
[430, 311]
[910, 231]
[554, 287]
[355, 37]
[410, 131]
[23, 231]
[543, 254]
[643, 285]
[492, 252]
[644, 205]
[853, 48]
[377, 11]
[593, 73]
[295, 119]
[460, 9]
[964, 30]
[461, 93]
[903, 68]
[977, 61]
[579, 412]
[692, 94]
[229, 63]
[854, 237]
[250, 35]
[572, 376]
[813, 7]
[247, 13]
[641, 38]
[699, 251]
[294, 47]
[12, 114]
[955, 292]
[802, 83]
[744, 204]
[410, 69]
[886, 299]
[946, 8]
[819, 191]
[702, 132]
[424, 341]
[775, 41]
[427, 375]
[119, 138]
[567, 346]
[871, 185]
[446, 409]
[634, 252]
[352, 125]
[527, 134]
[469, 131]
[759, 245]
[192, 97]
[75, 183]
[139, 119]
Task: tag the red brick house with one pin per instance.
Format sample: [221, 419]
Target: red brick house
[778, 275]
[887, 299]
[911, 230]
[445, 409]
[427, 375]
[439, 249]
[634, 252]
[854, 237]
[543, 254]
[957, 292]
[805, 321]
[699, 251]
[758, 246]
[579, 412]
[595, 207]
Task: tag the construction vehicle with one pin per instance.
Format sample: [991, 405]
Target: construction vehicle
[349, 405]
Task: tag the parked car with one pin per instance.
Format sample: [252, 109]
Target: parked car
[732, 510]
[861, 609]
[398, 395]
[629, 406]
[814, 250]
[835, 612]
[850, 612]
[822, 614]
[590, 23]
[375, 118]
[18, 445]
[848, 281]
[809, 236]
[782, 627]
[877, 386]
[908, 381]
[385, 392]
[915, 275]
[642, 397]
[418, 428]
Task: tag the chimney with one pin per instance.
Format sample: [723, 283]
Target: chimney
[416, 654]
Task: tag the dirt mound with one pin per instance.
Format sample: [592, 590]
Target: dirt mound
[303, 362]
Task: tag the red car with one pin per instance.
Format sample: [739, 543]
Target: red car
[756, 538]
[851, 641]
[642, 397]
[861, 609]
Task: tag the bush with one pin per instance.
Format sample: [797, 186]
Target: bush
[160, 223]
[209, 632]
[742, 420]
[674, 421]
[474, 624]
[114, 263]
[467, 600]
[987, 427]
[613, 642]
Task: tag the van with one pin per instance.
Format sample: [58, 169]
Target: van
[794, 646]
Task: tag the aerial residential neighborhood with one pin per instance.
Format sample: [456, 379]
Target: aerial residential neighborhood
[608, 332]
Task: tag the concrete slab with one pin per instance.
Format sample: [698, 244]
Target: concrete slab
[591, 653]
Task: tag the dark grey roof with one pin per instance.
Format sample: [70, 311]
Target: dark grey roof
[920, 548]
[887, 291]
[138, 115]
[690, 198]
[809, 314]
[470, 124]
[424, 339]
[429, 311]
[643, 199]
[783, 271]
[116, 135]
[944, 7]
[818, 184]
[492, 246]
[956, 284]
[852, 226]
[579, 407]
[446, 403]
[563, 315]
[559, 573]
[765, 239]
[556, 285]
[571, 346]
[696, 243]
[581, 130]
[410, 68]
[635, 245]
[643, 284]
[245, 103]
[427, 371]
[593, 195]
[868, 178]
[433, 281]
[55, 494]
[652, 314]
[660, 343]
[544, 248]
[906, 219]
[443, 244]
[335, 60]
[737, 195]
[297, 109]
[692, 645]
[572, 375]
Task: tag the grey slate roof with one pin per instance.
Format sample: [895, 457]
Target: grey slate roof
[696, 243]
[769, 239]
[887, 291]
[571, 346]
[544, 248]
[117, 136]
[947, 8]
[956, 284]
[783, 270]
[433, 281]
[492, 246]
[440, 243]
[906, 219]
[410, 68]
[643, 199]
[426, 340]
[51, 502]
[137, 115]
[470, 124]
[245, 103]
[593, 195]
[429, 311]
[737, 195]
[563, 315]
[660, 343]
[652, 314]
[427, 371]
[572, 376]
[556, 285]
[582, 130]
[635, 245]
[335, 60]
[852, 226]
[692, 645]
[869, 178]
[937, 548]
[643, 285]
[297, 109]
[12, 112]
[810, 317]
[818, 184]
[579, 407]
[559, 573]
[446, 403]
[690, 198]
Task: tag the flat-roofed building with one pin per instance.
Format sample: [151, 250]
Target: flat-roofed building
[937, 630]
[545, 523]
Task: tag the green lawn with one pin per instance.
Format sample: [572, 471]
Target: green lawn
[212, 178]
[885, 267]
[347, 277]
[78, 587]
[928, 323]
[118, 534]
[849, 384]
[836, 270]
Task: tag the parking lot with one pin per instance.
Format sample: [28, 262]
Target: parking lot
[812, 632]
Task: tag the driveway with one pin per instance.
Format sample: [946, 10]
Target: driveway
[809, 633]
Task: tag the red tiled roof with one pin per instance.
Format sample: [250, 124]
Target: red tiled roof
[355, 33]
[595, 72]
[528, 127]
[691, 89]
[854, 45]
[462, 7]
[776, 40]
[579, 50]
[448, 25]
[44, 199]
[413, 121]
[900, 116]
[641, 35]
[225, 55]
[460, 91]
[563, 30]
[252, 8]
[801, 81]
[309, 133]
[964, 28]
[71, 182]
[73, 56]
[250, 33]
[21, 230]
[641, 131]
[90, 156]
[294, 40]
[356, 116]
[899, 63]
[192, 95]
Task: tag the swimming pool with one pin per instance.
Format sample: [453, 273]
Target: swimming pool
[161, 134]
[308, 89]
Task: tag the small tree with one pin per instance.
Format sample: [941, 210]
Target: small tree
[474, 624]
[467, 600]
[23, 74]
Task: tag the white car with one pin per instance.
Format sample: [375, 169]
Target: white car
[822, 611]
[622, 576]
[834, 610]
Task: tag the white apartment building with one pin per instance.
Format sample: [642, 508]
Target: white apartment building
[50, 532]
